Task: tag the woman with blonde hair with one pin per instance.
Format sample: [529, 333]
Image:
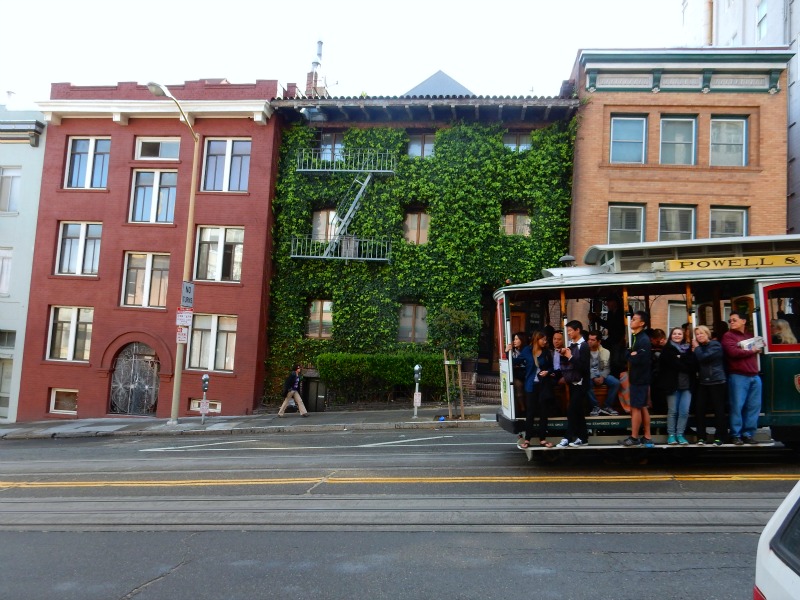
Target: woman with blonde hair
[712, 385]
[782, 332]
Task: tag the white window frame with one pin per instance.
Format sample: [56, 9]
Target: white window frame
[10, 182]
[6, 258]
[719, 209]
[319, 324]
[693, 154]
[326, 217]
[418, 318]
[642, 143]
[8, 338]
[677, 209]
[421, 145]
[220, 244]
[516, 223]
[73, 334]
[228, 164]
[331, 145]
[517, 141]
[91, 158]
[81, 252]
[6, 366]
[155, 196]
[161, 141]
[416, 227]
[761, 20]
[743, 158]
[637, 207]
[194, 356]
[145, 282]
[54, 393]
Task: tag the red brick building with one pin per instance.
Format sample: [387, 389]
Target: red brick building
[110, 243]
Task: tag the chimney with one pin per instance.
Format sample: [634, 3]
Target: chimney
[314, 78]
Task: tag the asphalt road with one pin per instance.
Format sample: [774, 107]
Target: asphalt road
[385, 514]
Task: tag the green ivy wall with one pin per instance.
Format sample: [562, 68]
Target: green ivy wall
[465, 187]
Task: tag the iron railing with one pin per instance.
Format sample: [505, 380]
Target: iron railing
[346, 247]
[342, 160]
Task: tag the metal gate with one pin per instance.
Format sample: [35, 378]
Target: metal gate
[134, 384]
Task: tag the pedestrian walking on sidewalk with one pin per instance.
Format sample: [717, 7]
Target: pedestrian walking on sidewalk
[291, 391]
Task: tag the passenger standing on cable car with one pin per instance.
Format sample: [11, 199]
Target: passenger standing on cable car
[711, 385]
[577, 358]
[640, 373]
[744, 384]
[538, 387]
[677, 369]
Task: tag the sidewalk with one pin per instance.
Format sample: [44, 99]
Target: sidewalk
[427, 418]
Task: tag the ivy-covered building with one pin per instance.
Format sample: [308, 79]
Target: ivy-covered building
[390, 210]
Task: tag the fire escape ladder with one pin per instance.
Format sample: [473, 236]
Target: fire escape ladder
[346, 211]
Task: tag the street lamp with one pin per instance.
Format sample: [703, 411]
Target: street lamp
[159, 90]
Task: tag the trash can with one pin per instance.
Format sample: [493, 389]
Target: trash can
[315, 395]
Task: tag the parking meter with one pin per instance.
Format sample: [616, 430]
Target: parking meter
[205, 378]
[417, 373]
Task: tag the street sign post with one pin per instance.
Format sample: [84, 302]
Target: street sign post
[184, 316]
[187, 294]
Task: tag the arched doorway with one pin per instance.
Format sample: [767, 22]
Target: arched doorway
[134, 383]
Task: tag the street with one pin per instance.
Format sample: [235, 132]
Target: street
[378, 514]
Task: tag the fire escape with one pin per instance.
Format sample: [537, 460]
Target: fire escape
[339, 244]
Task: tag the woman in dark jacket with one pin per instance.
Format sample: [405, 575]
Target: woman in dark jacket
[711, 385]
[538, 387]
[676, 378]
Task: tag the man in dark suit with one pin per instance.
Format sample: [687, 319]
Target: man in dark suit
[577, 356]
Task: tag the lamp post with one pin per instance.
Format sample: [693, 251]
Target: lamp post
[159, 90]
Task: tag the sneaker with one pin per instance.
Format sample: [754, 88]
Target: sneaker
[630, 442]
[563, 443]
[748, 439]
[671, 440]
[682, 440]
[608, 411]
[648, 443]
[576, 443]
[718, 442]
[702, 441]
[595, 412]
[736, 441]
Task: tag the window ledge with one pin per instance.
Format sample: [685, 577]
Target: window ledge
[689, 168]
[7, 213]
[73, 276]
[149, 224]
[67, 190]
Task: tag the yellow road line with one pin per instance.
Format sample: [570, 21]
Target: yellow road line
[399, 480]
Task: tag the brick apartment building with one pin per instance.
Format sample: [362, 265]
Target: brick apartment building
[110, 239]
[679, 144]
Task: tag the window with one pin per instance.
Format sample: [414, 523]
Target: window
[212, 344]
[518, 223]
[88, 162]
[146, 277]
[320, 319]
[219, 254]
[8, 339]
[322, 228]
[517, 141]
[158, 148]
[413, 324]
[677, 141]
[9, 189]
[227, 166]
[415, 227]
[628, 139]
[5, 270]
[421, 145]
[331, 146]
[5, 386]
[728, 143]
[782, 305]
[64, 401]
[728, 222]
[625, 224]
[150, 185]
[79, 248]
[70, 333]
[675, 223]
[761, 20]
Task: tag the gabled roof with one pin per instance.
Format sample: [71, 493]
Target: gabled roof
[439, 84]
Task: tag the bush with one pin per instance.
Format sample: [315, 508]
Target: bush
[370, 377]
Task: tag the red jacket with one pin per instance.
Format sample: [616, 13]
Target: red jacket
[738, 360]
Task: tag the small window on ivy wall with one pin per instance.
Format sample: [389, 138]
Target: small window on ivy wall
[517, 141]
[415, 227]
[322, 227]
[517, 223]
[421, 144]
[320, 320]
[331, 146]
[413, 324]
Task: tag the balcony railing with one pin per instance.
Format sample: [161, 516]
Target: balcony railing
[359, 160]
[346, 247]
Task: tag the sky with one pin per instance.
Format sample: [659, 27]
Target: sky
[377, 47]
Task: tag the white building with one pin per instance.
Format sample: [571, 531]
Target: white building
[22, 140]
[756, 24]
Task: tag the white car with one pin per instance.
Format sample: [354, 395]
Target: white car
[778, 556]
